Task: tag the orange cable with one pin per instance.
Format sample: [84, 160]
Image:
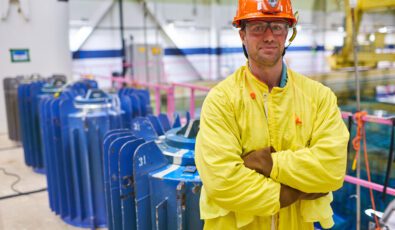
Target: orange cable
[357, 145]
[356, 142]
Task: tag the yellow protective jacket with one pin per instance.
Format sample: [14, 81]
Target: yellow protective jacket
[301, 121]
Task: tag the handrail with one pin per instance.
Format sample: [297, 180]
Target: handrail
[367, 184]
[170, 111]
[192, 88]
[349, 179]
[157, 89]
[371, 118]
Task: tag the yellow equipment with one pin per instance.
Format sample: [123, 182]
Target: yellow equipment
[367, 55]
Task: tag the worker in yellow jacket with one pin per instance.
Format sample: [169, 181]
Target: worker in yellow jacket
[272, 144]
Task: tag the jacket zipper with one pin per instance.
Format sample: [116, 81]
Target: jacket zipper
[265, 104]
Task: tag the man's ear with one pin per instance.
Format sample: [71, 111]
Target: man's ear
[242, 35]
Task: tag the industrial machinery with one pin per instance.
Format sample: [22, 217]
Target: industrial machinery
[146, 62]
[367, 55]
[167, 184]
[28, 99]
[150, 177]
[118, 135]
[96, 115]
[54, 108]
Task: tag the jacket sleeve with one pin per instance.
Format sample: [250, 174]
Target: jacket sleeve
[226, 180]
[321, 166]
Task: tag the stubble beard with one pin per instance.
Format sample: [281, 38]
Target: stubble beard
[267, 60]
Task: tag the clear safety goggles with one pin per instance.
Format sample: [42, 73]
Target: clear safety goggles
[260, 27]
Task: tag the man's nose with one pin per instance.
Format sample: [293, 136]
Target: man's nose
[268, 35]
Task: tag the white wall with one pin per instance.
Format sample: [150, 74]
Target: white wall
[46, 37]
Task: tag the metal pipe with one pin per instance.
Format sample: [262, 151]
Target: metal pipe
[353, 4]
[146, 41]
[121, 28]
[157, 55]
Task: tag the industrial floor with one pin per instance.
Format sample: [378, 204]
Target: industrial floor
[23, 212]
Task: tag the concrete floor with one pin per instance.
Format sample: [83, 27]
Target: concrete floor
[24, 212]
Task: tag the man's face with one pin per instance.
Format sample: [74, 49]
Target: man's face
[264, 40]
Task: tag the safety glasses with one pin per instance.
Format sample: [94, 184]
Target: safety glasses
[260, 27]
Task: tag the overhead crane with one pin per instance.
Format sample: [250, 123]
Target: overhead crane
[368, 55]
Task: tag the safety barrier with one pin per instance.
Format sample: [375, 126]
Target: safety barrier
[169, 90]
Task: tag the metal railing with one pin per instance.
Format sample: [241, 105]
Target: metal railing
[170, 89]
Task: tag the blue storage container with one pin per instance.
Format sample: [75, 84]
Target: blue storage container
[111, 136]
[167, 184]
[96, 115]
[28, 92]
[136, 102]
[55, 104]
[113, 185]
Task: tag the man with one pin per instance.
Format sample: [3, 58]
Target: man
[272, 144]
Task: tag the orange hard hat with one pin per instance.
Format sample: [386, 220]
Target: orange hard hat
[264, 9]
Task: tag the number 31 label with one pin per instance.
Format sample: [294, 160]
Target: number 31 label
[142, 161]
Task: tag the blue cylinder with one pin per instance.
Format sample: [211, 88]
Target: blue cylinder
[96, 115]
[49, 138]
[167, 183]
[28, 93]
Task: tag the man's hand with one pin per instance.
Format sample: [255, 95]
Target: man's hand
[312, 196]
[260, 161]
[290, 195]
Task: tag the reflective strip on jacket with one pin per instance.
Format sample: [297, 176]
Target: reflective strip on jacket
[304, 125]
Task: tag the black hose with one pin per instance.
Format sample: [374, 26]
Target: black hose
[390, 160]
[18, 178]
[23, 194]
[349, 127]
[18, 193]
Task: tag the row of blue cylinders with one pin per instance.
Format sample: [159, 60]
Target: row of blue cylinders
[62, 132]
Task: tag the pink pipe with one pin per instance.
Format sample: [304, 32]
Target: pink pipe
[170, 103]
[157, 100]
[346, 114]
[368, 184]
[192, 86]
[370, 118]
[378, 120]
[192, 103]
